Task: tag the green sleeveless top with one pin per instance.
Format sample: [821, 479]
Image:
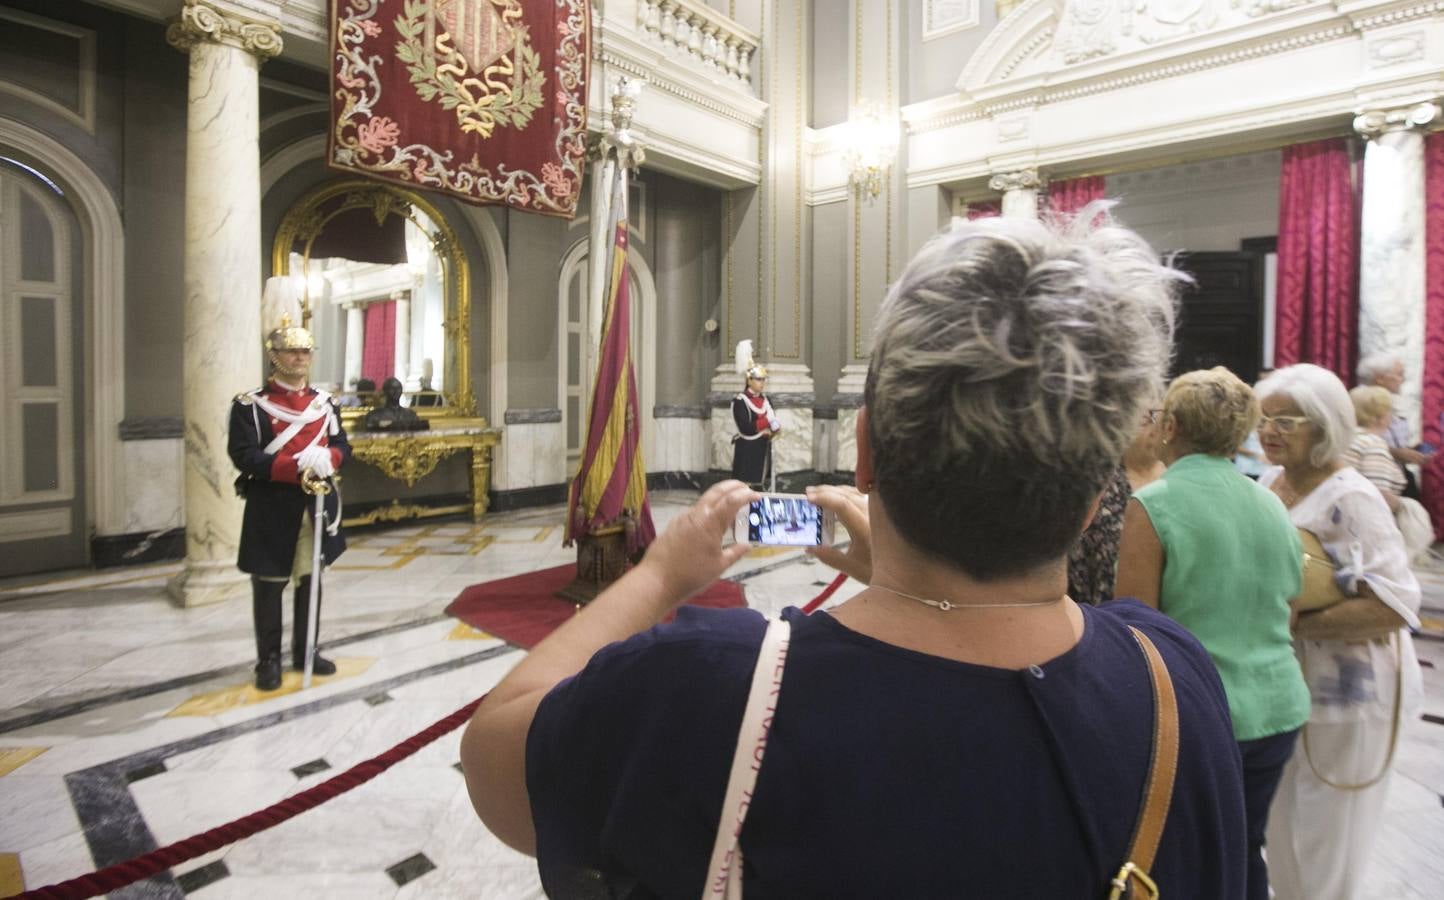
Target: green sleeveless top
[1232, 561]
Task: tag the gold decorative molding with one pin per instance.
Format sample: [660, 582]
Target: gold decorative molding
[408, 459]
[200, 23]
[411, 456]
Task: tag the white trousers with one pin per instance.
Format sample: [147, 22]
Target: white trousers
[1319, 837]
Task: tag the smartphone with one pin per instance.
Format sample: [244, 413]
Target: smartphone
[784, 520]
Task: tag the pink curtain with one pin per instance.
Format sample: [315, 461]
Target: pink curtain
[986, 209]
[1318, 259]
[1433, 481]
[1067, 197]
[378, 354]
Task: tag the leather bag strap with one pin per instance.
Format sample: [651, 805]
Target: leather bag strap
[1158, 790]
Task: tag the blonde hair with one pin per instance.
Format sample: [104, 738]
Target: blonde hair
[1212, 409]
[1371, 403]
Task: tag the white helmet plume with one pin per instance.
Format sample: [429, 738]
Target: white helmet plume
[744, 357]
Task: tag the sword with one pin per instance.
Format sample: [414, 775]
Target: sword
[318, 488]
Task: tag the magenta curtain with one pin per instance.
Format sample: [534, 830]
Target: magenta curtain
[378, 354]
[1065, 198]
[986, 209]
[1433, 481]
[1318, 259]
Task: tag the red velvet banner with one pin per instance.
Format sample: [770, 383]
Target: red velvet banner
[484, 100]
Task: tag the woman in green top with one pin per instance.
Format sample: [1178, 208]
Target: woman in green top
[1217, 553]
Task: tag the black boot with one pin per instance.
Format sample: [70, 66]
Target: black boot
[301, 606]
[266, 615]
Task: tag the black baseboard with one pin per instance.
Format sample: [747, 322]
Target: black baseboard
[684, 481]
[787, 482]
[520, 498]
[111, 550]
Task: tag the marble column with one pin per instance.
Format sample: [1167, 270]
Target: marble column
[401, 365]
[355, 343]
[1020, 192]
[222, 280]
[849, 400]
[1391, 264]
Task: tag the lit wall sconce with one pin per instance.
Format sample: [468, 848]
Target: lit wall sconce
[870, 149]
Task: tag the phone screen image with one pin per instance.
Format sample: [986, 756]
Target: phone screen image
[785, 521]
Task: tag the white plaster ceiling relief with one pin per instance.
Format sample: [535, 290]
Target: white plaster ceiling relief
[1013, 128]
[1396, 49]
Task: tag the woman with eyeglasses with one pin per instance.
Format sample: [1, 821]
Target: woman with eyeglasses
[1214, 551]
[1356, 654]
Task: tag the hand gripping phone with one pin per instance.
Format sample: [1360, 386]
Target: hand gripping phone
[784, 520]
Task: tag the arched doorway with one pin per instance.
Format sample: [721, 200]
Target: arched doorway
[577, 356]
[43, 520]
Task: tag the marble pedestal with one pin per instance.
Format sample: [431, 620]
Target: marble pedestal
[849, 401]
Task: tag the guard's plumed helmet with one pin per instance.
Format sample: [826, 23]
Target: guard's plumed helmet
[280, 309]
[746, 365]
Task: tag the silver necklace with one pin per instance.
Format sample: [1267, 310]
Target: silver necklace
[946, 605]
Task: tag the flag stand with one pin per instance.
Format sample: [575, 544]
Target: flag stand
[601, 560]
[608, 515]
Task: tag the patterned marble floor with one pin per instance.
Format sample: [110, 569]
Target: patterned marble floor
[126, 724]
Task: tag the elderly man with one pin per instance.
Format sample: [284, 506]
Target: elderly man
[1387, 371]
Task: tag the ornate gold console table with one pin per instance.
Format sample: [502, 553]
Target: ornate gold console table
[409, 456]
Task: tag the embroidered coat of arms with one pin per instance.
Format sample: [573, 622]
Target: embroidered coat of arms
[481, 99]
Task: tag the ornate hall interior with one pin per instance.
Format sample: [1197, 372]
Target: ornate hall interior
[163, 161]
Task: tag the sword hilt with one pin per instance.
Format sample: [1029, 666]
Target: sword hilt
[313, 485]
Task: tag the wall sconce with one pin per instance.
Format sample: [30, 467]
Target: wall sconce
[870, 149]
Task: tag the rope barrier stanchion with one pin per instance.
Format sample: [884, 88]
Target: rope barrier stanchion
[133, 870]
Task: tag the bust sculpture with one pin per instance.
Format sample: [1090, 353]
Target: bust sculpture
[391, 415]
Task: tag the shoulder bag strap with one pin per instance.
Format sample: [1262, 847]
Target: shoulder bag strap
[724, 871]
[1158, 790]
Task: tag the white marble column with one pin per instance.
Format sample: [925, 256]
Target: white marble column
[355, 343]
[1020, 192]
[222, 280]
[1391, 263]
[402, 352]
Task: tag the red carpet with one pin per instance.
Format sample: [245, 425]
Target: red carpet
[521, 609]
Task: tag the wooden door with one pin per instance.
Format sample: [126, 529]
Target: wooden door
[1221, 321]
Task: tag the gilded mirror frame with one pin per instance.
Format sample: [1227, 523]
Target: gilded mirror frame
[305, 221]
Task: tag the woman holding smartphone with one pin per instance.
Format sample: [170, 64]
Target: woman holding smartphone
[960, 725]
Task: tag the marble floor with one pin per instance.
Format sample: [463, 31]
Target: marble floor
[127, 724]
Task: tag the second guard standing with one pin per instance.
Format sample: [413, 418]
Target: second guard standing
[757, 423]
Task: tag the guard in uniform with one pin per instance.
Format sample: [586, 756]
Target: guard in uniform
[278, 434]
[756, 422]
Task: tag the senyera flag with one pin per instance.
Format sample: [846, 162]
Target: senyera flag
[485, 100]
[611, 478]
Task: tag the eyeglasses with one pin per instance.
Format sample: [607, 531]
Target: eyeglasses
[1283, 424]
[1151, 416]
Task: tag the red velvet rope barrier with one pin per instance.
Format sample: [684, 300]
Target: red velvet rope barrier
[821, 598]
[119, 875]
[122, 874]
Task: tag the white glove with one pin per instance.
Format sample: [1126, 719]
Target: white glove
[316, 460]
